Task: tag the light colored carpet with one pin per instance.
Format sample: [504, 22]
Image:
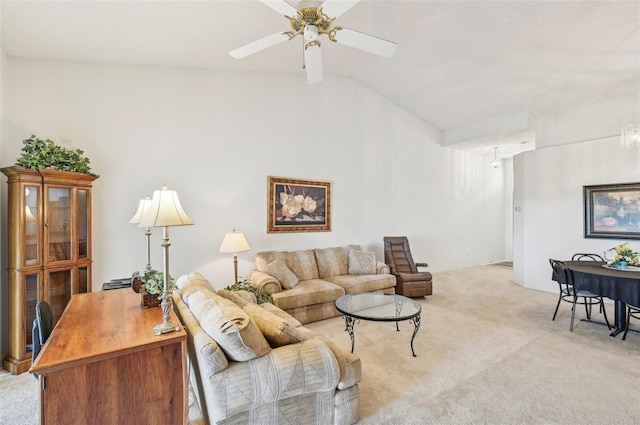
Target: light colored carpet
[488, 353]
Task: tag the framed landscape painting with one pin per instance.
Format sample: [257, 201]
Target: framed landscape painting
[612, 211]
[298, 205]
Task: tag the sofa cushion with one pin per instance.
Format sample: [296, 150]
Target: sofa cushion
[301, 263]
[356, 283]
[233, 330]
[307, 292]
[253, 392]
[275, 329]
[362, 262]
[292, 321]
[333, 261]
[278, 269]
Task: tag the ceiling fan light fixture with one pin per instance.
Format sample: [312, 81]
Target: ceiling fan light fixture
[310, 32]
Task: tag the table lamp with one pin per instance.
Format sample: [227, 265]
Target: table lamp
[165, 211]
[235, 242]
[143, 207]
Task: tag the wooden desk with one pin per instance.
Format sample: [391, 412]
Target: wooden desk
[103, 365]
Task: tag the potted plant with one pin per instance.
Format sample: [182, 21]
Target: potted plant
[38, 154]
[623, 256]
[151, 286]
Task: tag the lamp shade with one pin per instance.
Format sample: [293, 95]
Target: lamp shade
[165, 210]
[234, 241]
[143, 207]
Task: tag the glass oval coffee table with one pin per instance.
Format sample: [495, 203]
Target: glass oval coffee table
[378, 307]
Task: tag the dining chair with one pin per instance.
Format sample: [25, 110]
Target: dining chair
[632, 311]
[581, 256]
[42, 326]
[568, 293]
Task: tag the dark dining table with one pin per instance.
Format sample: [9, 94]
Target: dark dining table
[622, 286]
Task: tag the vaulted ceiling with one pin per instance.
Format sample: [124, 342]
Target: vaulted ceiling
[460, 63]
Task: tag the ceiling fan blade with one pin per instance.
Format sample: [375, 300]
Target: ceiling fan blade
[281, 6]
[258, 45]
[335, 8]
[313, 62]
[368, 43]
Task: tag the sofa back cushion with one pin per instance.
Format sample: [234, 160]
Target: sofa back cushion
[233, 330]
[301, 263]
[333, 261]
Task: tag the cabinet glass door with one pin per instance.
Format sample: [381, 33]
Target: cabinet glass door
[59, 292]
[31, 299]
[59, 223]
[31, 225]
[83, 223]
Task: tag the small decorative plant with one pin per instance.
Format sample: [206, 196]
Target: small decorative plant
[38, 154]
[244, 284]
[153, 282]
[623, 256]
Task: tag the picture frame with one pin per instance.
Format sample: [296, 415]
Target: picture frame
[298, 205]
[612, 211]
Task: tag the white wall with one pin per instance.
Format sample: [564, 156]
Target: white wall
[508, 208]
[215, 137]
[548, 189]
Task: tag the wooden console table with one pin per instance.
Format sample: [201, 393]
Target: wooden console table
[103, 364]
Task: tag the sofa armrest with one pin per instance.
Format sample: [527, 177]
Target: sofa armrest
[266, 282]
[291, 370]
[382, 268]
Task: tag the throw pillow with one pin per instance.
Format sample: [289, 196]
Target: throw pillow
[278, 269]
[362, 262]
[241, 298]
[292, 321]
[225, 322]
[276, 330]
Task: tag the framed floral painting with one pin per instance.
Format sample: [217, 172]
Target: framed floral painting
[298, 205]
[612, 211]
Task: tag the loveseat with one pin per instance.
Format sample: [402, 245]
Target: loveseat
[307, 283]
[255, 364]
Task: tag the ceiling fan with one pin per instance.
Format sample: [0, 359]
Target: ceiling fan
[312, 19]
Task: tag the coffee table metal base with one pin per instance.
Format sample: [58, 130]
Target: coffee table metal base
[350, 321]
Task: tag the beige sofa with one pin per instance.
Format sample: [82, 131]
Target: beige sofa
[255, 364]
[307, 283]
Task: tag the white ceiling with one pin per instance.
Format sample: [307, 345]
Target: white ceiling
[460, 62]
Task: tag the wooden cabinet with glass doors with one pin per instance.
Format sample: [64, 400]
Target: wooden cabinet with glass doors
[49, 249]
